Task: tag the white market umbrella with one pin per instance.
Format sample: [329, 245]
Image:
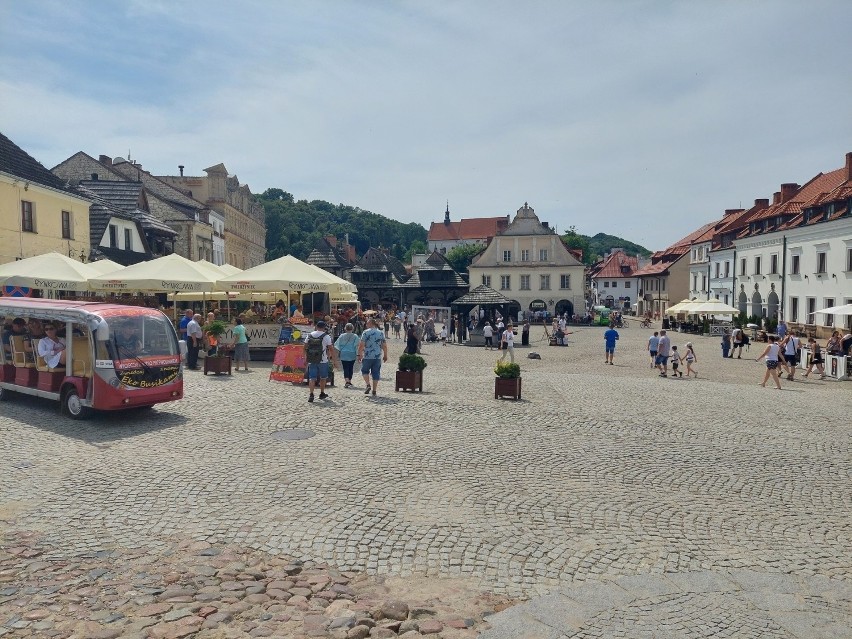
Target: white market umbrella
[845, 309]
[680, 307]
[49, 271]
[344, 286]
[167, 274]
[284, 274]
[712, 307]
[105, 266]
[229, 269]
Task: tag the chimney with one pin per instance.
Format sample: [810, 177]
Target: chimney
[776, 197]
[788, 191]
[732, 211]
[849, 166]
[332, 241]
[180, 168]
[761, 203]
[105, 159]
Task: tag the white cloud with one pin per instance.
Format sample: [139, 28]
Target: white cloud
[639, 119]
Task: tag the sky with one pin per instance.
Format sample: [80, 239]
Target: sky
[644, 120]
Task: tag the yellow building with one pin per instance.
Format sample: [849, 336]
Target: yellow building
[38, 214]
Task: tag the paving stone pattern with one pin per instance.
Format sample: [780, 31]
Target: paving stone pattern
[600, 473]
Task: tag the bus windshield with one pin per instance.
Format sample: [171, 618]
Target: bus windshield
[141, 336]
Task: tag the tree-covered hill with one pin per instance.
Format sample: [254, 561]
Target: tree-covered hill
[293, 227]
[599, 245]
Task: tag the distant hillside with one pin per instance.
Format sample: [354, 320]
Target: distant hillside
[596, 247]
[293, 227]
[603, 243]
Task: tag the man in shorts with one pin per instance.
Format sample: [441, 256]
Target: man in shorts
[318, 368]
[653, 343]
[372, 351]
[663, 352]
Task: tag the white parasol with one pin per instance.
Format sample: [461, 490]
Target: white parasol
[49, 271]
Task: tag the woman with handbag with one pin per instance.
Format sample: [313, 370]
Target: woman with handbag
[347, 349]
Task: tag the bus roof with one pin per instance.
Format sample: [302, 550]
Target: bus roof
[89, 313]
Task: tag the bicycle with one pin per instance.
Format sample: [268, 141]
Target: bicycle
[621, 324]
[645, 323]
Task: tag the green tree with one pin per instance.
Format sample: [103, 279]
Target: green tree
[574, 240]
[461, 255]
[417, 246]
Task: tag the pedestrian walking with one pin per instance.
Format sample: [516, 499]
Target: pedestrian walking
[817, 360]
[663, 352]
[675, 360]
[610, 338]
[507, 343]
[347, 352]
[319, 351]
[372, 352]
[771, 353]
[653, 342]
[690, 360]
[790, 346]
[525, 334]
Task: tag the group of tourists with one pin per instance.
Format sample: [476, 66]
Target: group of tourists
[662, 353]
[370, 349]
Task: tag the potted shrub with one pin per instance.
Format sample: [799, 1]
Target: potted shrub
[508, 380]
[219, 361]
[410, 373]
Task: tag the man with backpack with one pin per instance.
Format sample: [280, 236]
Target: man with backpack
[319, 351]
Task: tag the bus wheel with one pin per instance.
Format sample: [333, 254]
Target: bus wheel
[72, 406]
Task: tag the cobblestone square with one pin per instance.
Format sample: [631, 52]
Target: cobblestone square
[612, 502]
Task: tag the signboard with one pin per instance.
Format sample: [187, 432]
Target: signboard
[537, 305]
[17, 291]
[260, 335]
[289, 364]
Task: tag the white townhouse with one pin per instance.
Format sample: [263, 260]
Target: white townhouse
[699, 264]
[795, 256]
[614, 284]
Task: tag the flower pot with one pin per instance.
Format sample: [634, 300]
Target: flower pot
[409, 380]
[504, 387]
[221, 364]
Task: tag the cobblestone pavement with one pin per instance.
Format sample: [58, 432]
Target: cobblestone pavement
[727, 501]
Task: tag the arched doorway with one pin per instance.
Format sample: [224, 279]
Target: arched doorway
[564, 306]
[743, 303]
[756, 304]
[772, 305]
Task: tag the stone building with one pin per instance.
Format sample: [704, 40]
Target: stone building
[529, 264]
[189, 218]
[38, 212]
[244, 240]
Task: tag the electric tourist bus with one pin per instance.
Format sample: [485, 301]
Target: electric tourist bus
[115, 356]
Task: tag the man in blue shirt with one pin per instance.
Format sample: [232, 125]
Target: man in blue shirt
[372, 351]
[611, 337]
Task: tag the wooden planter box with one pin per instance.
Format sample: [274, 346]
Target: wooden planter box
[409, 380]
[507, 388]
[217, 365]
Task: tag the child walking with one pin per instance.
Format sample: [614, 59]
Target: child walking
[690, 360]
[676, 360]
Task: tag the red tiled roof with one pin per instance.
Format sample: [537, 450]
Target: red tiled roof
[814, 190]
[652, 269]
[477, 228]
[611, 266]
